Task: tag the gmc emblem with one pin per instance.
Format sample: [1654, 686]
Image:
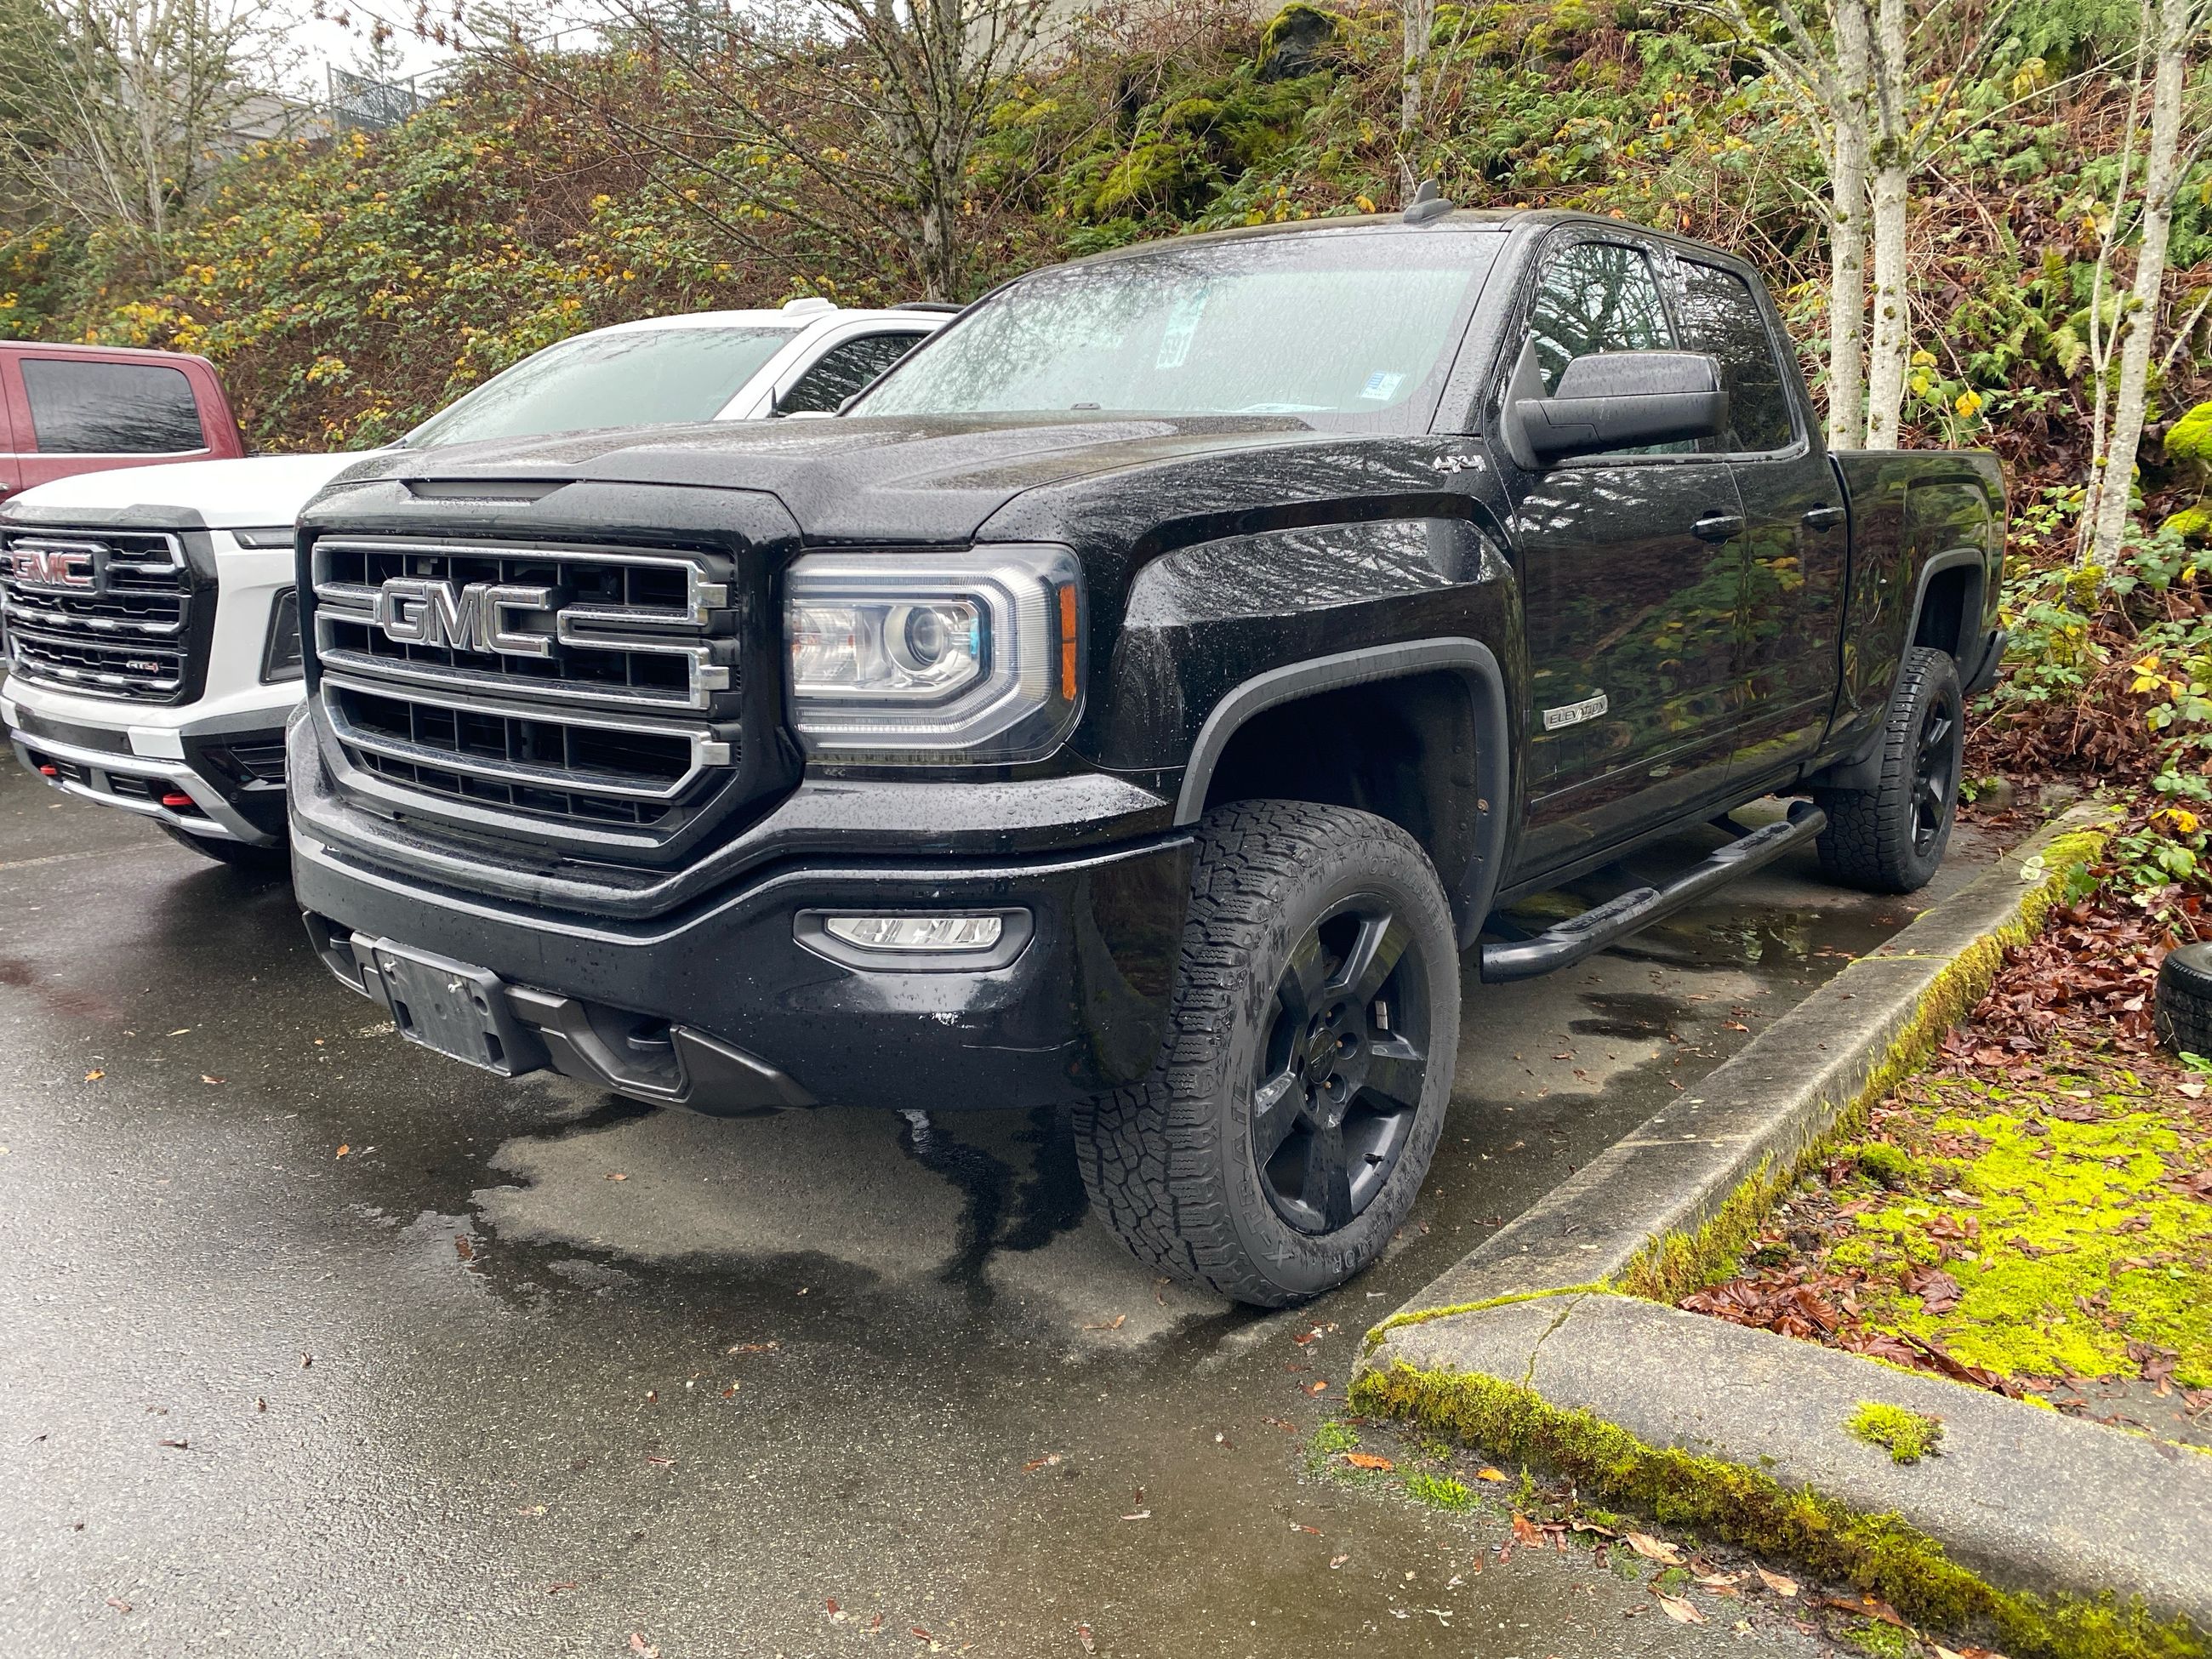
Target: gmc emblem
[52, 564]
[477, 618]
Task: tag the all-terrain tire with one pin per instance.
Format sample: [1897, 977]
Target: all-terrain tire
[1891, 838]
[2182, 1012]
[1279, 888]
[261, 861]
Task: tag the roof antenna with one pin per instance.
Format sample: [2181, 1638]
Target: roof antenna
[1428, 203]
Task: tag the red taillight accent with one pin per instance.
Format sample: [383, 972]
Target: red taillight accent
[178, 801]
[47, 771]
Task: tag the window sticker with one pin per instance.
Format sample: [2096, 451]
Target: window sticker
[1382, 386]
[1181, 328]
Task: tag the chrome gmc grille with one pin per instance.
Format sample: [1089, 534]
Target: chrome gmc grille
[591, 688]
[105, 613]
[624, 629]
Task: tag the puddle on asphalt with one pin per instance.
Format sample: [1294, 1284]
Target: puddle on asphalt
[986, 1207]
[983, 1213]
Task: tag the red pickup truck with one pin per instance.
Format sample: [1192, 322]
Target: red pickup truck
[67, 408]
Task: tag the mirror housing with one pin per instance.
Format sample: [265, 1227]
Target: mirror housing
[1613, 400]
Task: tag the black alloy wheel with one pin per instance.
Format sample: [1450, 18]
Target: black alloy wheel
[1282, 1140]
[1936, 769]
[1340, 1067]
[1889, 827]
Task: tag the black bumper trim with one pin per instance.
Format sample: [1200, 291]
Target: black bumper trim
[645, 1060]
[729, 1011]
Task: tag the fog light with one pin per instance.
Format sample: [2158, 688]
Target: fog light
[916, 932]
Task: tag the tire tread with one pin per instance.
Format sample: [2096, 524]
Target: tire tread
[1150, 1151]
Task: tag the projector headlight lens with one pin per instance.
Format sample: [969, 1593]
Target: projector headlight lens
[963, 657]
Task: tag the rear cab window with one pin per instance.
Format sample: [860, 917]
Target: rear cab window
[81, 408]
[1722, 318]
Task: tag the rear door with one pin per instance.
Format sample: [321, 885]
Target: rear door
[1797, 542]
[90, 414]
[1631, 567]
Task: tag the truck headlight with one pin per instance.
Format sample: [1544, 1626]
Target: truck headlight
[965, 657]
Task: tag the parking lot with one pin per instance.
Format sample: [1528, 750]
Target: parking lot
[321, 1344]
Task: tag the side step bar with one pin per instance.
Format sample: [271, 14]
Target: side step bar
[1601, 924]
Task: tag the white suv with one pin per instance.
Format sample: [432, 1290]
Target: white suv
[150, 617]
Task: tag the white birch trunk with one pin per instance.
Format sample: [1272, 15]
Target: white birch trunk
[1847, 230]
[1891, 201]
[1420, 18]
[2138, 322]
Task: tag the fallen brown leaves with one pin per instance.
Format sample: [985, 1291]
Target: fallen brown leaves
[2083, 985]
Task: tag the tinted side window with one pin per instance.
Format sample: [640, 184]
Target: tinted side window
[1596, 296]
[1720, 317]
[845, 369]
[110, 409]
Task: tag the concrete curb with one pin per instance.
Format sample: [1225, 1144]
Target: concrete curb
[2025, 1498]
[1846, 1045]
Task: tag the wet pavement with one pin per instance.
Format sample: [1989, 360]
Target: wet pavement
[319, 1345]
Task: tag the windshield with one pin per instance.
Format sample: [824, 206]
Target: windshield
[643, 377]
[1352, 328]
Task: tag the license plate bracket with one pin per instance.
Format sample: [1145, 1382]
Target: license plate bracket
[453, 1009]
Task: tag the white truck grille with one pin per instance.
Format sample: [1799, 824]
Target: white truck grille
[103, 613]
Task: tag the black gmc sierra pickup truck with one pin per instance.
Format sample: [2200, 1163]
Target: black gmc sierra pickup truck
[1140, 701]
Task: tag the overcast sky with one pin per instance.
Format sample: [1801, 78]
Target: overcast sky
[320, 42]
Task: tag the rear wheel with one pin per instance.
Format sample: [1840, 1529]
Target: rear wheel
[235, 854]
[1891, 838]
[1308, 1064]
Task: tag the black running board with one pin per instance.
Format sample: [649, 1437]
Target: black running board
[1601, 924]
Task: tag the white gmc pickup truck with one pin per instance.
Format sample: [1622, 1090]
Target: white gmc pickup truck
[149, 620]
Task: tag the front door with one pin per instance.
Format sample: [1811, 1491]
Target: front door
[1631, 573]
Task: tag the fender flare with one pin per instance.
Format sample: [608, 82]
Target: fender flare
[1476, 666]
[1971, 615]
[1863, 771]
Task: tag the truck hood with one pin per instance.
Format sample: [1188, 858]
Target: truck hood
[885, 480]
[261, 491]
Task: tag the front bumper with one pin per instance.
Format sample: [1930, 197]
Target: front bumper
[726, 1011]
[222, 781]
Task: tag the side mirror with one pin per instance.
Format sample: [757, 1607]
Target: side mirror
[1613, 400]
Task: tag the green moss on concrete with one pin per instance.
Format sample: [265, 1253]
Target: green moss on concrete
[1882, 1641]
[1670, 1268]
[1376, 1334]
[1879, 1162]
[1880, 1554]
[1439, 1491]
[2067, 1240]
[1906, 1436]
[1331, 1439]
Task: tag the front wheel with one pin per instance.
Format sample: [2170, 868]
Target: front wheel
[1891, 838]
[1283, 1135]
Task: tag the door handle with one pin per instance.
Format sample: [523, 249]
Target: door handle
[1822, 518]
[1718, 528]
